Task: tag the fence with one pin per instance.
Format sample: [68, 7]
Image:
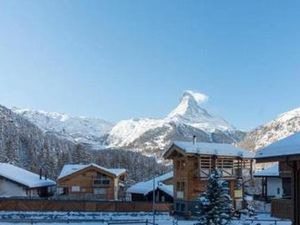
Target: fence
[79, 205]
[282, 208]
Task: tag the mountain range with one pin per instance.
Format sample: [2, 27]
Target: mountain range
[38, 139]
[144, 135]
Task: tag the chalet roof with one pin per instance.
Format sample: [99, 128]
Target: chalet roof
[147, 186]
[218, 149]
[23, 177]
[272, 171]
[69, 169]
[288, 146]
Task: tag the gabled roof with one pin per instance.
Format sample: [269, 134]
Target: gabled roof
[69, 169]
[289, 146]
[272, 171]
[147, 186]
[23, 177]
[203, 148]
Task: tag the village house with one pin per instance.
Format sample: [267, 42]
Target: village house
[91, 182]
[18, 182]
[287, 153]
[163, 186]
[193, 163]
[271, 182]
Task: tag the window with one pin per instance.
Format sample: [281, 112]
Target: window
[101, 179]
[75, 188]
[180, 186]
[99, 191]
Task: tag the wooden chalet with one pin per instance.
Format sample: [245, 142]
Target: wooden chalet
[162, 185]
[18, 182]
[287, 153]
[193, 163]
[91, 182]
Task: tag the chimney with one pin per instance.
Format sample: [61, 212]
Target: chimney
[194, 139]
[41, 173]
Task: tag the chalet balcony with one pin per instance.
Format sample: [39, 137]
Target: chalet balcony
[282, 208]
[227, 173]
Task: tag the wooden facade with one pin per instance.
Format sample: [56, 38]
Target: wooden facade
[191, 172]
[92, 182]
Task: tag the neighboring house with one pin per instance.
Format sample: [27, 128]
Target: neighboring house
[15, 181]
[91, 181]
[271, 182]
[193, 163]
[143, 191]
[287, 152]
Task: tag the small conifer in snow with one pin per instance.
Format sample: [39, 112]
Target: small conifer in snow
[215, 205]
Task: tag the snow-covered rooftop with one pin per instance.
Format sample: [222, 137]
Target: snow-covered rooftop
[23, 176]
[213, 149]
[147, 186]
[272, 171]
[69, 169]
[287, 146]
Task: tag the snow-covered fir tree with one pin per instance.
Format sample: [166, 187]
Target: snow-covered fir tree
[215, 205]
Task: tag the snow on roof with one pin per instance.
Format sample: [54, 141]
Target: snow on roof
[147, 186]
[23, 176]
[69, 169]
[166, 188]
[213, 149]
[272, 171]
[287, 146]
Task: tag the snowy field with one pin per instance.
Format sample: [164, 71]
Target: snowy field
[77, 218]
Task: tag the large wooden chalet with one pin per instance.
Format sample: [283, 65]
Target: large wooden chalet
[91, 182]
[193, 163]
[287, 153]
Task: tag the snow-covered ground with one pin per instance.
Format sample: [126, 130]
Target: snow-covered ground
[101, 218]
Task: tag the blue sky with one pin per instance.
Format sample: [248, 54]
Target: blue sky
[122, 59]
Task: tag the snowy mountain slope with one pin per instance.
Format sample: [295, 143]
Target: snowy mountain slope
[77, 129]
[186, 120]
[284, 125]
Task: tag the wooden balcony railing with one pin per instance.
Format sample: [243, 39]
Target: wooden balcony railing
[282, 208]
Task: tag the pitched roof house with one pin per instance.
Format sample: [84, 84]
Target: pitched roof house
[15, 181]
[163, 186]
[193, 163]
[287, 152]
[91, 181]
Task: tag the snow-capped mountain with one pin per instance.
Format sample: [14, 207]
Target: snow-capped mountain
[284, 125]
[78, 129]
[143, 134]
[187, 119]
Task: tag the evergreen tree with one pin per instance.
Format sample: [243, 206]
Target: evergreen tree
[215, 205]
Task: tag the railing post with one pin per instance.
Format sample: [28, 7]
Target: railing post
[146, 221]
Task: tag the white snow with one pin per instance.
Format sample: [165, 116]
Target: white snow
[102, 218]
[23, 176]
[213, 149]
[147, 186]
[69, 169]
[188, 112]
[272, 171]
[78, 129]
[284, 147]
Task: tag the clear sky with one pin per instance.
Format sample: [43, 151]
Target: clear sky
[134, 58]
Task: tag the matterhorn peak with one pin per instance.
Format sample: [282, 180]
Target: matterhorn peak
[190, 111]
[189, 105]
